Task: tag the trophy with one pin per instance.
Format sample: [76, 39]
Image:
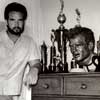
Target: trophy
[44, 58]
[61, 39]
[78, 17]
[96, 58]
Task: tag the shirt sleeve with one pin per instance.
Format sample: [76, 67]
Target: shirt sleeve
[34, 52]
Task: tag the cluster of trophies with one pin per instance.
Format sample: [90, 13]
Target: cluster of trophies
[58, 63]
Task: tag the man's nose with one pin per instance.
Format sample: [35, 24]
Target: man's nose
[16, 23]
[74, 49]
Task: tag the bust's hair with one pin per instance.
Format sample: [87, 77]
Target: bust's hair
[15, 7]
[83, 31]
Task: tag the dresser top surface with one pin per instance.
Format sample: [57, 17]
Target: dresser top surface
[91, 74]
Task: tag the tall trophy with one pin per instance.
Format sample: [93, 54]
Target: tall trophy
[61, 39]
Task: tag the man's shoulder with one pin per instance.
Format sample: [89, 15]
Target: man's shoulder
[28, 39]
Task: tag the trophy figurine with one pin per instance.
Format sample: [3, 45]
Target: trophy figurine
[52, 66]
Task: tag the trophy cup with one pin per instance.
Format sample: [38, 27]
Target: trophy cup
[61, 39]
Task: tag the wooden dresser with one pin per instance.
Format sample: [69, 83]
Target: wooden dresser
[67, 86]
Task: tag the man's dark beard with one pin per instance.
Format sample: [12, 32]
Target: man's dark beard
[15, 33]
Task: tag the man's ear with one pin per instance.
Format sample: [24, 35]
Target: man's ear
[90, 46]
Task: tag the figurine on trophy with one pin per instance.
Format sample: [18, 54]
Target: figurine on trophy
[52, 66]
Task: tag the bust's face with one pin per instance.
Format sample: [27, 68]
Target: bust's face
[15, 23]
[79, 48]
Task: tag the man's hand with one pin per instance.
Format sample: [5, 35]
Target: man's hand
[31, 77]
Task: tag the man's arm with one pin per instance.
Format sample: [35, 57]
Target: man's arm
[35, 64]
[34, 70]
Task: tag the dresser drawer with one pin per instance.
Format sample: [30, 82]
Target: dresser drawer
[82, 86]
[46, 86]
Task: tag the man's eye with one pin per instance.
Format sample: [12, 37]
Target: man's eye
[20, 19]
[78, 45]
[11, 19]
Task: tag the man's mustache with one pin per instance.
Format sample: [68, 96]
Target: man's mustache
[16, 28]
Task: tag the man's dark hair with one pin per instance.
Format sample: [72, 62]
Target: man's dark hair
[15, 7]
[83, 31]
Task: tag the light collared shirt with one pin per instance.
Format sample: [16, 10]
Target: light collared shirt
[13, 61]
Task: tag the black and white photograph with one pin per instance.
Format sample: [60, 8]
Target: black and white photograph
[49, 49]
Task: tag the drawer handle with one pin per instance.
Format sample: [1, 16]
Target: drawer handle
[83, 86]
[45, 86]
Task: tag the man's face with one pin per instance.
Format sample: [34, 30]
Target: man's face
[15, 23]
[79, 48]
